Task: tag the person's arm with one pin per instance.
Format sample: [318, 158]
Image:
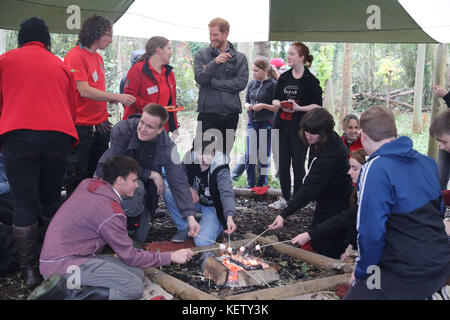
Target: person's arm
[335, 224]
[226, 192]
[114, 233]
[442, 93]
[236, 84]
[204, 70]
[260, 106]
[132, 86]
[321, 170]
[375, 199]
[177, 179]
[86, 91]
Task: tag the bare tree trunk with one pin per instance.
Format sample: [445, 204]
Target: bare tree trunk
[438, 79]
[2, 41]
[247, 49]
[262, 49]
[418, 88]
[388, 95]
[328, 102]
[347, 93]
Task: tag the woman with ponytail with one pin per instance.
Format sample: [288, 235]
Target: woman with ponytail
[297, 92]
[258, 102]
[151, 80]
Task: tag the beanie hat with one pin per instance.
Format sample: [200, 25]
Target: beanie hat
[33, 29]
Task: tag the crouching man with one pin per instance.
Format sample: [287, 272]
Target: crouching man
[90, 219]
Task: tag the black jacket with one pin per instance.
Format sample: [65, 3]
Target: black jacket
[260, 92]
[309, 92]
[327, 181]
[344, 221]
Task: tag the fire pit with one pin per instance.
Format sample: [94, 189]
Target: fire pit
[240, 270]
[210, 280]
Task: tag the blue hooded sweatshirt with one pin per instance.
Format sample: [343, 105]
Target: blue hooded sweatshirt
[400, 215]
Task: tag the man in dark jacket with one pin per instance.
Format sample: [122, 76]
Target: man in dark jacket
[222, 72]
[145, 140]
[403, 248]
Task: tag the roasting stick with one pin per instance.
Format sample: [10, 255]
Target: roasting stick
[207, 239]
[257, 236]
[271, 244]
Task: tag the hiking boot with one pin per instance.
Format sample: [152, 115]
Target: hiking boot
[55, 288]
[278, 205]
[27, 244]
[180, 236]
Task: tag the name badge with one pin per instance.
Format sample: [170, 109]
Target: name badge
[95, 76]
[152, 90]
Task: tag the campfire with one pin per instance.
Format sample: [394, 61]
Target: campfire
[239, 269]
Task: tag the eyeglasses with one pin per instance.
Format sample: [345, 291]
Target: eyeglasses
[109, 35]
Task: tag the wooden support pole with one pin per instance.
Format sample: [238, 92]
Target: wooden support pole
[176, 287]
[307, 256]
[293, 290]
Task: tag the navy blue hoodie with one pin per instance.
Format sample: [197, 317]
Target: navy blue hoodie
[400, 215]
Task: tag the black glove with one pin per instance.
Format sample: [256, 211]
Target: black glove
[104, 128]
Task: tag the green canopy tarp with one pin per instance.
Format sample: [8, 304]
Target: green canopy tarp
[343, 21]
[55, 14]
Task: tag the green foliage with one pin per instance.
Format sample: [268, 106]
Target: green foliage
[323, 62]
[389, 66]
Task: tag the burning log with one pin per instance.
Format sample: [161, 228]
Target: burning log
[215, 270]
[307, 256]
[257, 277]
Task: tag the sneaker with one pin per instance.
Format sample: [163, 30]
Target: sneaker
[279, 205]
[180, 236]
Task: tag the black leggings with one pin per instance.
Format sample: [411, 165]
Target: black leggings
[35, 163]
[84, 157]
[6, 209]
[291, 149]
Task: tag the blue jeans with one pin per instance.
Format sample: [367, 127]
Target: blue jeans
[211, 226]
[253, 154]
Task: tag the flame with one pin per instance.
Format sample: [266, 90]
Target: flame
[233, 275]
